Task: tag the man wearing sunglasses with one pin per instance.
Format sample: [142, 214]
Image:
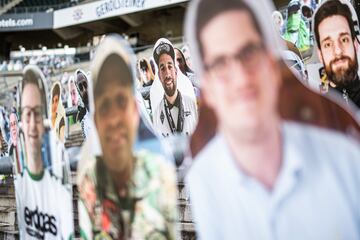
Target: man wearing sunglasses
[261, 177]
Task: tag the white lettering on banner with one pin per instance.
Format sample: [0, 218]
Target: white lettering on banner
[7, 23]
[77, 15]
[112, 5]
[97, 10]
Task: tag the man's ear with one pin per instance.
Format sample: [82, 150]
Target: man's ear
[320, 55]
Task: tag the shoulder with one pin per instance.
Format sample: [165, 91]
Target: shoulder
[324, 139]
[153, 163]
[187, 99]
[205, 164]
[323, 148]
[159, 107]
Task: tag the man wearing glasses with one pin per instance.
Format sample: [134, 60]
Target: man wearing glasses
[261, 177]
[44, 205]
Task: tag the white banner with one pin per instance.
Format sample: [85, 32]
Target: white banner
[105, 9]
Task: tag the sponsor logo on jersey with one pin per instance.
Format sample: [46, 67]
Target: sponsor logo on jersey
[39, 223]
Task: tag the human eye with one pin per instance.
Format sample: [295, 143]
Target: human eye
[327, 44]
[219, 63]
[247, 53]
[27, 113]
[345, 39]
[105, 106]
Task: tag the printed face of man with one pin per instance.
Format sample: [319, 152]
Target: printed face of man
[116, 119]
[54, 104]
[180, 61]
[13, 128]
[83, 87]
[337, 50]
[187, 58]
[73, 94]
[168, 74]
[241, 79]
[32, 119]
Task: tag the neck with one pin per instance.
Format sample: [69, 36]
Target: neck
[172, 99]
[34, 163]
[121, 178]
[259, 156]
[53, 120]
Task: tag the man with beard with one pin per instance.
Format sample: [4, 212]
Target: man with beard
[124, 194]
[260, 176]
[176, 113]
[83, 108]
[337, 48]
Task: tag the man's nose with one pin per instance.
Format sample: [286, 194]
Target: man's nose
[239, 75]
[32, 121]
[167, 72]
[338, 50]
[117, 115]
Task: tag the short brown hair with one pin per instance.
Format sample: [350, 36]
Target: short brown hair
[331, 8]
[209, 9]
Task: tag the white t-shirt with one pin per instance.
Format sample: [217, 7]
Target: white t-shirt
[161, 123]
[44, 207]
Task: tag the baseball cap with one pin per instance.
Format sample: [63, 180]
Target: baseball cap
[162, 46]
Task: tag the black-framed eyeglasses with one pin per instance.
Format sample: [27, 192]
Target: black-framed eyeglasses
[37, 112]
[249, 56]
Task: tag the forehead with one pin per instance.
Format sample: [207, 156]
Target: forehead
[31, 95]
[333, 26]
[112, 89]
[165, 58]
[218, 38]
[12, 117]
[81, 77]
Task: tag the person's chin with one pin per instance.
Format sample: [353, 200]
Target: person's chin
[34, 142]
[117, 143]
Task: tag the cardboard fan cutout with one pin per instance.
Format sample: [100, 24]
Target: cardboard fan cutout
[43, 188]
[295, 102]
[127, 189]
[334, 67]
[265, 143]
